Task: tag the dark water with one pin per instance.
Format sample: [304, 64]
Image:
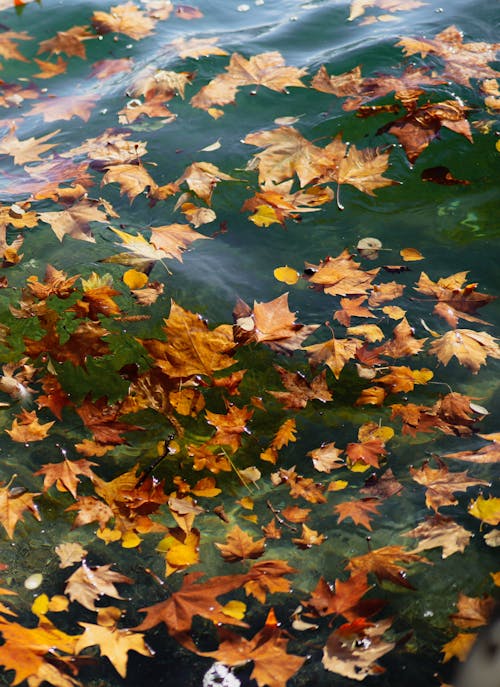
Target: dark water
[455, 228]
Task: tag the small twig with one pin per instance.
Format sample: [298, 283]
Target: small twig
[278, 517]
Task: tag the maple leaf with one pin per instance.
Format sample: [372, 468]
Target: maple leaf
[383, 486]
[459, 646]
[346, 164]
[26, 427]
[181, 549]
[309, 538]
[342, 598]
[271, 323]
[84, 341]
[8, 48]
[240, 546]
[70, 42]
[101, 418]
[64, 474]
[463, 61]
[273, 666]
[299, 390]
[267, 577]
[489, 453]
[27, 150]
[191, 348]
[351, 307]
[455, 300]
[358, 510]
[458, 410]
[341, 276]
[438, 530]
[362, 90]
[127, 19]
[366, 452]
[25, 650]
[403, 341]
[327, 457]
[90, 510]
[230, 426]
[202, 178]
[473, 611]
[386, 563]
[109, 148]
[471, 348]
[56, 282]
[133, 178]
[50, 69]
[354, 654]
[276, 203]
[304, 487]
[267, 69]
[13, 505]
[112, 641]
[441, 483]
[335, 353]
[88, 583]
[70, 553]
[193, 598]
[75, 221]
[422, 123]
[286, 153]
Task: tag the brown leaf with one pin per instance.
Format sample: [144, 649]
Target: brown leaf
[75, 221]
[473, 611]
[240, 546]
[27, 150]
[299, 390]
[13, 505]
[193, 598]
[87, 584]
[64, 474]
[438, 530]
[26, 427]
[70, 42]
[354, 654]
[359, 511]
[463, 61]
[127, 19]
[271, 323]
[386, 563]
[267, 69]
[341, 276]
[441, 484]
[191, 348]
[471, 348]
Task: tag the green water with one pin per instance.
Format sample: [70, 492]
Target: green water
[454, 227]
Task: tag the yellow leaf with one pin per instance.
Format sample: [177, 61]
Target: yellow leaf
[422, 376]
[357, 466]
[459, 646]
[134, 279]
[372, 430]
[246, 502]
[130, 540]
[58, 603]
[394, 312]
[410, 254]
[264, 216]
[235, 609]
[40, 605]
[251, 518]
[487, 510]
[496, 578]
[108, 535]
[370, 332]
[286, 274]
[337, 485]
